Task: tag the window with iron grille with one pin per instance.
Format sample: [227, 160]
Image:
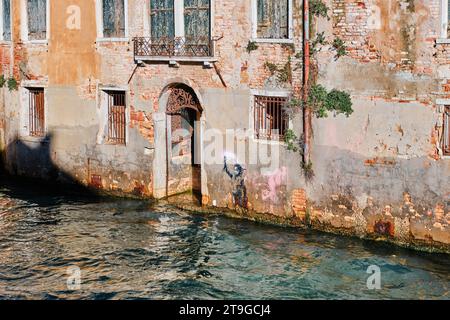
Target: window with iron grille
[446, 140]
[271, 121]
[36, 112]
[116, 117]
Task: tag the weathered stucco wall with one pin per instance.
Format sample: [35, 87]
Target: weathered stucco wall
[378, 173]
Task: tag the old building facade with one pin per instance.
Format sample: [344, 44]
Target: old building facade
[159, 97]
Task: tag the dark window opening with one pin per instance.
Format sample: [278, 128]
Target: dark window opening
[37, 19]
[36, 112]
[113, 18]
[6, 15]
[273, 19]
[116, 117]
[271, 121]
[446, 142]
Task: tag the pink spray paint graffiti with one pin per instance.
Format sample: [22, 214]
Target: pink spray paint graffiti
[274, 182]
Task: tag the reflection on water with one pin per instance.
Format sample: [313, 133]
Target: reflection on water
[135, 250]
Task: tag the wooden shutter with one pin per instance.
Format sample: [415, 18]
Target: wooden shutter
[113, 18]
[6, 19]
[37, 19]
[162, 19]
[197, 20]
[273, 19]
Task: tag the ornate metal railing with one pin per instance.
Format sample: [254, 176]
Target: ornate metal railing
[173, 47]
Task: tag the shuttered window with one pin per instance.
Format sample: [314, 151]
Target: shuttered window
[273, 19]
[162, 18]
[6, 15]
[37, 19]
[113, 18]
[197, 20]
[448, 18]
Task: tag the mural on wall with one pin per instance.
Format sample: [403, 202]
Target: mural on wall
[236, 175]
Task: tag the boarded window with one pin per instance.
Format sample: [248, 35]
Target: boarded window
[6, 15]
[36, 112]
[446, 140]
[197, 20]
[273, 19]
[162, 19]
[116, 117]
[113, 18]
[37, 19]
[271, 121]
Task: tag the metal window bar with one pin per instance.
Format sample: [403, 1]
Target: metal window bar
[36, 112]
[116, 118]
[446, 146]
[270, 119]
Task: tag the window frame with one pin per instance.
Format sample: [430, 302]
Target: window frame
[103, 97]
[25, 95]
[178, 13]
[24, 24]
[444, 32]
[254, 17]
[270, 94]
[99, 19]
[2, 22]
[446, 131]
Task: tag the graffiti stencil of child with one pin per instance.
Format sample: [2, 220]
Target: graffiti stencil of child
[239, 190]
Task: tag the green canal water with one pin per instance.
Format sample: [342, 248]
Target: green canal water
[137, 250]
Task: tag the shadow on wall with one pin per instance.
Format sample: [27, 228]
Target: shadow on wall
[29, 164]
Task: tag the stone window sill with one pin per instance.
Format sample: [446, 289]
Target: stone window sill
[274, 41]
[443, 41]
[125, 39]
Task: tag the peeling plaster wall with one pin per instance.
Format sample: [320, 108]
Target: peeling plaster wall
[377, 174]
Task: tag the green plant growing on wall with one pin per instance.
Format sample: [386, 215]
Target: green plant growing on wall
[340, 48]
[2, 81]
[12, 84]
[319, 100]
[318, 8]
[284, 73]
[252, 46]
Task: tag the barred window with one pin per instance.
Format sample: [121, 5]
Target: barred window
[116, 117]
[271, 121]
[36, 112]
[446, 140]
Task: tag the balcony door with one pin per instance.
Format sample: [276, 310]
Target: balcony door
[181, 27]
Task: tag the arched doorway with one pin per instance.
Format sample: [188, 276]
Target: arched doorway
[182, 141]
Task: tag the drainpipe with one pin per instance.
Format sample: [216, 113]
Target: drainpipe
[306, 67]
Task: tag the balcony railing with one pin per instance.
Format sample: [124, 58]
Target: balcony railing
[178, 47]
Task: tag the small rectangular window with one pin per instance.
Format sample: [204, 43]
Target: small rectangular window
[446, 139]
[37, 19]
[271, 121]
[448, 18]
[36, 112]
[113, 18]
[116, 117]
[273, 19]
[6, 16]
